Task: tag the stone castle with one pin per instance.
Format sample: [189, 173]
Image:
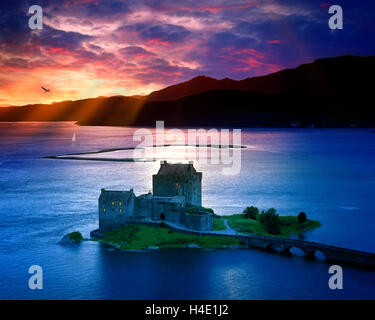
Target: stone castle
[176, 199]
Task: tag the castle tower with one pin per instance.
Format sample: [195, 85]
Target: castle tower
[178, 179]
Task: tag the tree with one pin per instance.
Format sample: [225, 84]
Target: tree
[271, 221]
[251, 213]
[302, 217]
[209, 210]
[192, 211]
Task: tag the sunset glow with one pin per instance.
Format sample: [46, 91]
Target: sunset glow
[91, 48]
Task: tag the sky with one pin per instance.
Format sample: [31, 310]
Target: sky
[90, 48]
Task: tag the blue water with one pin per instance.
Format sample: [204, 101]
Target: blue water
[329, 174]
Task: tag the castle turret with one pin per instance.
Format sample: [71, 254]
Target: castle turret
[178, 180]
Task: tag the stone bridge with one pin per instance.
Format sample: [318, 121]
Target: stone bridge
[331, 253]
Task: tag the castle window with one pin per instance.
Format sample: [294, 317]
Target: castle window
[120, 210]
[113, 203]
[104, 209]
[120, 203]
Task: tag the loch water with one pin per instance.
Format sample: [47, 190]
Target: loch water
[328, 173]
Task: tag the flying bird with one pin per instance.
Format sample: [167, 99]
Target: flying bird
[46, 90]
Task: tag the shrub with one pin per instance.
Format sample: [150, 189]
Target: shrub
[251, 213]
[192, 211]
[75, 236]
[271, 221]
[163, 225]
[209, 210]
[302, 217]
[285, 223]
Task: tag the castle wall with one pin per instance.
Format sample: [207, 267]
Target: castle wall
[172, 215]
[193, 191]
[167, 186]
[114, 213]
[143, 208]
[199, 222]
[164, 186]
[168, 207]
[117, 209]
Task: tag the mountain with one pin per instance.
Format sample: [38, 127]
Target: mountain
[194, 86]
[324, 77]
[108, 109]
[333, 92]
[235, 108]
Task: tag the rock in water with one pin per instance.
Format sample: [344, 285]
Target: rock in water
[72, 238]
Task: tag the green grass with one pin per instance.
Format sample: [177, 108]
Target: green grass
[138, 237]
[218, 224]
[289, 225]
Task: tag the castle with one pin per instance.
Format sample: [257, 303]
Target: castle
[176, 198]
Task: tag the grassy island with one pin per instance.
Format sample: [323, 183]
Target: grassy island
[139, 237]
[75, 236]
[72, 238]
[135, 237]
[269, 223]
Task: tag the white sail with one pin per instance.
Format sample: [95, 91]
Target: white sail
[74, 137]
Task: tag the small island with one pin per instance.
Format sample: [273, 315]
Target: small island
[72, 238]
[250, 222]
[226, 233]
[173, 217]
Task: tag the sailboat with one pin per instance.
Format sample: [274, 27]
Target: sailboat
[74, 137]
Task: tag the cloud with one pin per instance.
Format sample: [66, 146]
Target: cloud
[87, 10]
[132, 47]
[161, 33]
[135, 52]
[228, 39]
[58, 38]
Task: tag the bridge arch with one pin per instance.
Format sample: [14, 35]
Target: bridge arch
[297, 251]
[269, 246]
[311, 250]
[317, 254]
[275, 247]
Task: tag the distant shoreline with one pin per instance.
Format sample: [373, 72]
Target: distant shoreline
[195, 126]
